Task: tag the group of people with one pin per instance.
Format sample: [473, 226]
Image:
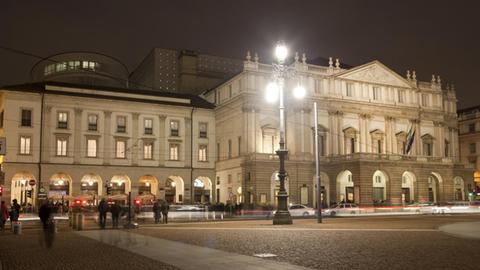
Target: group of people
[161, 208]
[103, 208]
[13, 214]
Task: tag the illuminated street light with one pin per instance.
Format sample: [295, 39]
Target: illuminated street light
[274, 91]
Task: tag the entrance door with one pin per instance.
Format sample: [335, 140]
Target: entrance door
[431, 196]
[405, 195]
[350, 194]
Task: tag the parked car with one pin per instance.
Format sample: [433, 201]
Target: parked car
[343, 209]
[300, 210]
[420, 208]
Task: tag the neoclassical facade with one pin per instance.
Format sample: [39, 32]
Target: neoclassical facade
[74, 140]
[469, 138]
[365, 114]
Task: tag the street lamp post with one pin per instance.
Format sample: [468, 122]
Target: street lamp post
[280, 72]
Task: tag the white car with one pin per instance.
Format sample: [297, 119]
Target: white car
[300, 210]
[343, 209]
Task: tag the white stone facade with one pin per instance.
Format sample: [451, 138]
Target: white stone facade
[365, 114]
[144, 166]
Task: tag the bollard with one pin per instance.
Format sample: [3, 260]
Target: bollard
[74, 221]
[221, 216]
[213, 216]
[206, 215]
[17, 227]
[80, 222]
[70, 219]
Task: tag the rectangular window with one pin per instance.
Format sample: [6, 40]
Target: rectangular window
[471, 127]
[61, 147]
[120, 149]
[25, 145]
[401, 96]
[174, 128]
[62, 120]
[121, 124]
[424, 100]
[202, 152]
[203, 130]
[352, 145]
[1, 119]
[427, 149]
[148, 126]
[349, 89]
[91, 148]
[473, 148]
[376, 93]
[229, 148]
[92, 122]
[148, 150]
[379, 146]
[174, 151]
[26, 118]
[229, 179]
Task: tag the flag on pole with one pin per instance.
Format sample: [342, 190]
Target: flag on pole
[410, 139]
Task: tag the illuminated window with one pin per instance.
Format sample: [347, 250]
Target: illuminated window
[148, 126]
[148, 150]
[376, 93]
[349, 90]
[25, 145]
[120, 149]
[401, 96]
[62, 119]
[424, 100]
[202, 152]
[92, 122]
[91, 148]
[174, 151]
[61, 147]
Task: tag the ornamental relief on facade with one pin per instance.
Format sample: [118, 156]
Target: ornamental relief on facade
[376, 74]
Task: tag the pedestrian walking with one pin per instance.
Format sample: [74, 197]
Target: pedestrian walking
[3, 215]
[165, 208]
[115, 209]
[45, 215]
[102, 212]
[14, 212]
[157, 211]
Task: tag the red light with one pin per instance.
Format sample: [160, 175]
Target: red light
[78, 202]
[137, 201]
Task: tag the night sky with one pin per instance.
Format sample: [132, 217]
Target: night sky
[432, 37]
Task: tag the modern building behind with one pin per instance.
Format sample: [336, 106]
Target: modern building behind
[365, 115]
[86, 68]
[469, 136]
[183, 71]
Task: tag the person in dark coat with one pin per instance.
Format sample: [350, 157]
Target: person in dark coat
[3, 215]
[45, 213]
[157, 211]
[102, 211]
[14, 211]
[115, 209]
[165, 208]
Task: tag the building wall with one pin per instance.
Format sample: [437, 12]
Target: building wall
[370, 104]
[76, 164]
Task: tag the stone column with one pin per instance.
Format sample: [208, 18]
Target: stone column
[136, 144]
[108, 147]
[47, 150]
[162, 140]
[361, 135]
[333, 135]
[341, 136]
[78, 152]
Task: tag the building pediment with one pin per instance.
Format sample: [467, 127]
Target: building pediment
[374, 72]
